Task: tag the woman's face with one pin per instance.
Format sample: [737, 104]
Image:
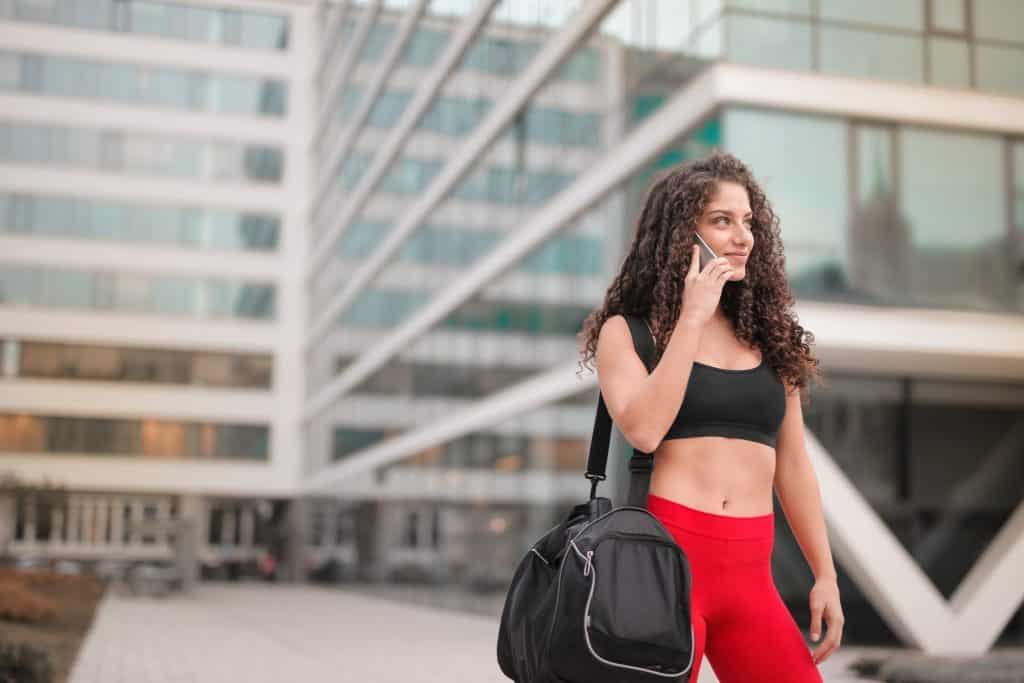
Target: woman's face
[726, 226]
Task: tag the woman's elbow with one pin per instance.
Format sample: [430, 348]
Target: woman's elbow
[642, 437]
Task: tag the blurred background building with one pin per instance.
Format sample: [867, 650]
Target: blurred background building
[312, 273]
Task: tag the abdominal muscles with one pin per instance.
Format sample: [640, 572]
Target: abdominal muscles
[717, 474]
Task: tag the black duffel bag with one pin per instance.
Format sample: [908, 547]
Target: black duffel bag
[604, 597]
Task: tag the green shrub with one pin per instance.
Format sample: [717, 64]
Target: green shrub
[20, 663]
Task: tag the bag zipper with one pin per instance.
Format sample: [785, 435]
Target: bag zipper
[586, 626]
[561, 566]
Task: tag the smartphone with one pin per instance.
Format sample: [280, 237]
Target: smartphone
[706, 255]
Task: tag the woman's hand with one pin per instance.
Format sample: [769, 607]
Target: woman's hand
[824, 600]
[702, 290]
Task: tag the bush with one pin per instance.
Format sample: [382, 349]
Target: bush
[20, 663]
[18, 602]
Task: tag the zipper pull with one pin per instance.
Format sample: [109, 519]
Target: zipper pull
[588, 563]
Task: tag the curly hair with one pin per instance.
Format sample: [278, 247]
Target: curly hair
[651, 278]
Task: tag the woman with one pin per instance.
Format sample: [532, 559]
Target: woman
[721, 411]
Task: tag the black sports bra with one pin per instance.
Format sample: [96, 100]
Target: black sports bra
[744, 404]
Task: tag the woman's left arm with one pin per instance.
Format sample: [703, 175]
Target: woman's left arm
[800, 498]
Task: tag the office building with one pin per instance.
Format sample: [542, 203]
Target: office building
[316, 271]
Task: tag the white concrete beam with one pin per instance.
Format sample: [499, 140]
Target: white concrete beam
[326, 207]
[554, 53]
[339, 145]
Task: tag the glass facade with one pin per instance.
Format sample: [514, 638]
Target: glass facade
[124, 292]
[450, 245]
[879, 213]
[137, 223]
[911, 41]
[385, 309]
[456, 116]
[138, 438]
[142, 85]
[872, 213]
[93, 363]
[219, 26]
[497, 55]
[886, 220]
[490, 55]
[941, 463]
[115, 151]
[499, 185]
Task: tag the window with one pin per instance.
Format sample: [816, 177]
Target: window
[852, 52]
[780, 43]
[957, 214]
[800, 162]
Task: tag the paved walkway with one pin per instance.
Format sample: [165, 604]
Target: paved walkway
[225, 633]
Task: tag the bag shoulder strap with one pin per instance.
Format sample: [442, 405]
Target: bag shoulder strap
[643, 342]
[640, 464]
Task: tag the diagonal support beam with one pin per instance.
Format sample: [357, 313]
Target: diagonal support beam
[902, 593]
[881, 567]
[335, 19]
[876, 560]
[534, 392]
[336, 81]
[675, 117]
[558, 48]
[724, 84]
[326, 207]
[992, 591]
[339, 146]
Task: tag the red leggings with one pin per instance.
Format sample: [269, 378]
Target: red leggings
[738, 616]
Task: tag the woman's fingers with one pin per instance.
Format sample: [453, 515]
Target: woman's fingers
[712, 269]
[724, 270]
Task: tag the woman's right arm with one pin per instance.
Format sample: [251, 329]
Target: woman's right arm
[643, 406]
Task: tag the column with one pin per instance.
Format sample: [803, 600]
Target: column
[188, 539]
[117, 506]
[102, 512]
[88, 520]
[293, 563]
[246, 522]
[135, 537]
[7, 521]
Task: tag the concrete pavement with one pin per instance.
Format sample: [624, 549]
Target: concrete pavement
[252, 632]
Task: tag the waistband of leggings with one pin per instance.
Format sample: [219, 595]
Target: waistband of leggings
[708, 523]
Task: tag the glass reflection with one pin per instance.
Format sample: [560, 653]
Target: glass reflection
[768, 41]
[957, 214]
[110, 150]
[132, 293]
[228, 26]
[798, 160]
[124, 364]
[851, 52]
[147, 438]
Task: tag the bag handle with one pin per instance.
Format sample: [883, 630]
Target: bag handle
[640, 464]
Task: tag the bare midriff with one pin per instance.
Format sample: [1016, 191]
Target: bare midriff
[717, 474]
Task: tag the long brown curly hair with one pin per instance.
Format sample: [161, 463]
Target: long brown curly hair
[652, 276]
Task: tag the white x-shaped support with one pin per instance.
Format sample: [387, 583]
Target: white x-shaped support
[902, 593]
